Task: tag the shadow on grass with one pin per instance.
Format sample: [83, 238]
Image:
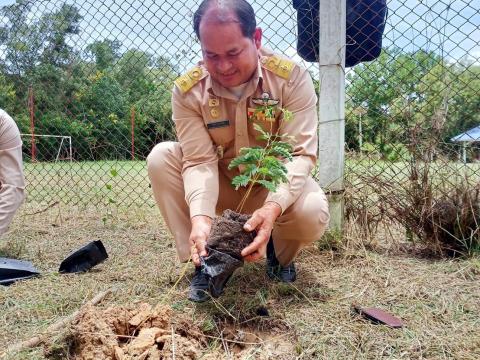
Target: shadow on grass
[252, 298]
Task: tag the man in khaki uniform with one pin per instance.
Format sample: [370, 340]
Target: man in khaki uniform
[211, 104]
[12, 182]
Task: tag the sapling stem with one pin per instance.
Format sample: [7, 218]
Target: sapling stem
[263, 165]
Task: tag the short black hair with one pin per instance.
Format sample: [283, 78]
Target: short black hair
[242, 10]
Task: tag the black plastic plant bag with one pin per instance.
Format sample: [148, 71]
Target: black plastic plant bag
[13, 270]
[84, 258]
[220, 267]
[365, 24]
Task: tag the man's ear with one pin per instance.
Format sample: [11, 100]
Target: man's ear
[257, 37]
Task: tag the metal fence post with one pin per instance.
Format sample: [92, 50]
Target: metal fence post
[331, 107]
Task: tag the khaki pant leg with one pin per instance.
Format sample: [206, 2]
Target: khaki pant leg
[12, 180]
[164, 165]
[301, 224]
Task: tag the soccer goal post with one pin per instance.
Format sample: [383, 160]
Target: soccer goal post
[65, 143]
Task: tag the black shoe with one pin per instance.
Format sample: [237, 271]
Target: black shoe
[275, 271]
[199, 286]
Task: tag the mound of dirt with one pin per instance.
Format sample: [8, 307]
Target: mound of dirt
[227, 234]
[140, 333]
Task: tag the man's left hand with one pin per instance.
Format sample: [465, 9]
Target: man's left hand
[261, 220]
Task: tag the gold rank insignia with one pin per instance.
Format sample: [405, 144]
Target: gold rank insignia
[279, 66]
[215, 113]
[212, 102]
[188, 80]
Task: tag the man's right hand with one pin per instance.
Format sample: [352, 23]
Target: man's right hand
[201, 226]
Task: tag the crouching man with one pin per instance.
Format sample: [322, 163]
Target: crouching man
[211, 103]
[12, 181]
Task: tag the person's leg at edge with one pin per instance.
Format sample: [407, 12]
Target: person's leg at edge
[12, 180]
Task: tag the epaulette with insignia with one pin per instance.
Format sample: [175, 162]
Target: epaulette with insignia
[279, 66]
[189, 79]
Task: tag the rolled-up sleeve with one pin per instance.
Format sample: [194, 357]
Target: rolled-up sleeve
[200, 161]
[301, 100]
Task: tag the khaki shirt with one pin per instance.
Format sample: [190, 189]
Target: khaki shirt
[212, 127]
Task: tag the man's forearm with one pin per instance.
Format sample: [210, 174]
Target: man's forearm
[201, 189]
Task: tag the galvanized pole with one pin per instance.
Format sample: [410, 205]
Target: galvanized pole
[331, 107]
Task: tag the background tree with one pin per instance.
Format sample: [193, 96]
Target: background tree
[105, 52]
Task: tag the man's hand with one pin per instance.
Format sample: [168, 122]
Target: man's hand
[201, 226]
[261, 220]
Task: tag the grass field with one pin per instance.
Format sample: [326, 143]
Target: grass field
[439, 300]
[85, 183]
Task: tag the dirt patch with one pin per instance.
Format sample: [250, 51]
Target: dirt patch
[227, 234]
[143, 332]
[125, 333]
[247, 342]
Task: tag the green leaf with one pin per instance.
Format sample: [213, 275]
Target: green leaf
[281, 151]
[285, 145]
[111, 201]
[113, 172]
[240, 180]
[264, 137]
[250, 170]
[260, 129]
[108, 186]
[239, 160]
[271, 162]
[264, 171]
[270, 186]
[247, 156]
[287, 115]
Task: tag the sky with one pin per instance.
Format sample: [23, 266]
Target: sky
[451, 27]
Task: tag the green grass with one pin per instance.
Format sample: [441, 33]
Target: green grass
[85, 183]
[439, 300]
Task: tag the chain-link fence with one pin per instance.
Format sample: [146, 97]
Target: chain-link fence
[89, 84]
[413, 157]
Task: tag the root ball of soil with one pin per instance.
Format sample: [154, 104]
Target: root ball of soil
[227, 234]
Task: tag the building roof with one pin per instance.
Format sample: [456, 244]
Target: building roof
[471, 135]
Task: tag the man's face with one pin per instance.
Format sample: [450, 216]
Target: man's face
[230, 58]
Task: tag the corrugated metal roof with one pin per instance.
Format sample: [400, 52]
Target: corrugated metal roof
[468, 136]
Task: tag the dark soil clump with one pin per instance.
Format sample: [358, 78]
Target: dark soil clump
[227, 234]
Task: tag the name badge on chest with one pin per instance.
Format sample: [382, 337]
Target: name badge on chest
[218, 124]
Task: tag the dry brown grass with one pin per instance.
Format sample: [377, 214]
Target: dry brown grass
[439, 300]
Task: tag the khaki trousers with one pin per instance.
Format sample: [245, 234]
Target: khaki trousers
[12, 181]
[301, 224]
